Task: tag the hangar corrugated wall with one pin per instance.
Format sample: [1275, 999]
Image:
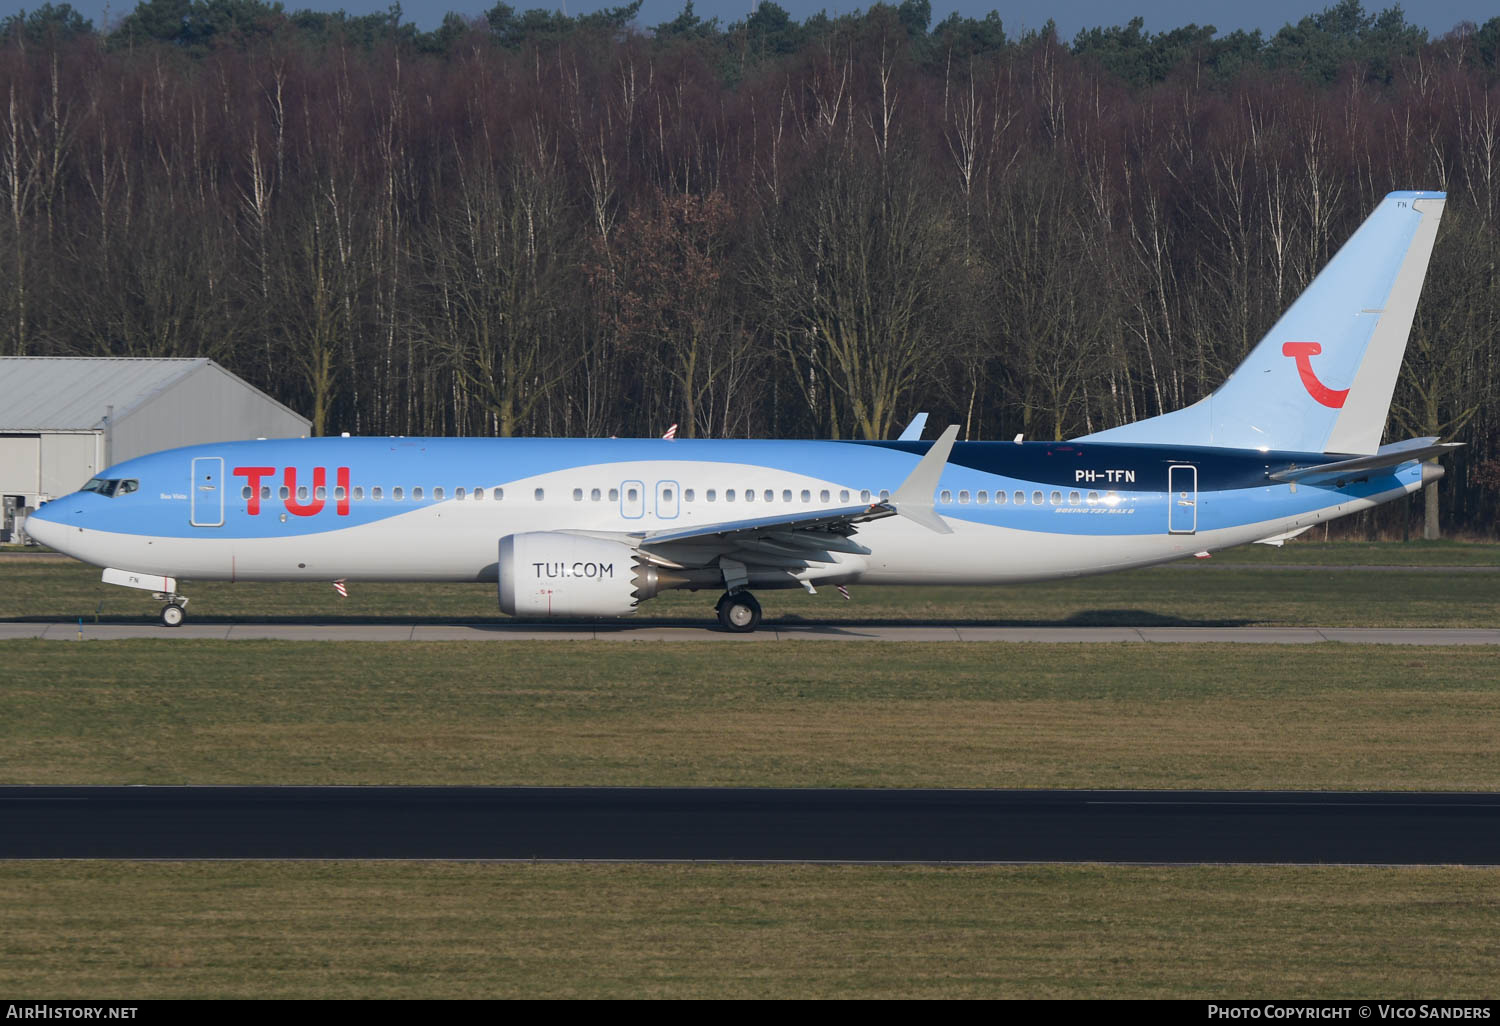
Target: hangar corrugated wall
[63, 419]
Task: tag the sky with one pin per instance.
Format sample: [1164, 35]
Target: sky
[1437, 16]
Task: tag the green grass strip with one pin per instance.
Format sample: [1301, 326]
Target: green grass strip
[388, 930]
[790, 714]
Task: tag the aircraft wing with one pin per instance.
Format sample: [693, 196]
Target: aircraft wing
[829, 521]
[796, 541]
[818, 529]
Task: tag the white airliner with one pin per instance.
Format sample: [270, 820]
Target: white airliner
[572, 527]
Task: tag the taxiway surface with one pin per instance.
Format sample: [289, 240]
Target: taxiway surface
[740, 824]
[647, 631]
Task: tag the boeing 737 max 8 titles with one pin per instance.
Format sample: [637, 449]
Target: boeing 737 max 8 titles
[593, 527]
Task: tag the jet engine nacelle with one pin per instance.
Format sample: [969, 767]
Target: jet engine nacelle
[549, 573]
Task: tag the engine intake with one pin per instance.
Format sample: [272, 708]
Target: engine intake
[549, 573]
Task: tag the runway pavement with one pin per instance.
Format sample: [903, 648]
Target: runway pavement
[648, 631]
[735, 824]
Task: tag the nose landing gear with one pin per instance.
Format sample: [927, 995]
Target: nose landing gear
[739, 612]
[175, 610]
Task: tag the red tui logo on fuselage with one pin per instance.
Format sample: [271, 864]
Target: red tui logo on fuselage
[294, 503]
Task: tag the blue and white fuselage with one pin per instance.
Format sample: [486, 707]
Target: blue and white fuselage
[433, 509]
[594, 526]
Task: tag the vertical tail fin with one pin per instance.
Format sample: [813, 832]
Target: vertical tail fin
[1321, 380]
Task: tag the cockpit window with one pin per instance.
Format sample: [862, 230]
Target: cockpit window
[111, 487]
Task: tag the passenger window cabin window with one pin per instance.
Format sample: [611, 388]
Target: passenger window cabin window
[864, 496]
[749, 494]
[666, 495]
[359, 493]
[806, 495]
[945, 497]
[823, 496]
[770, 495]
[729, 495]
[1000, 498]
[540, 494]
[885, 495]
[320, 493]
[459, 493]
[416, 495]
[338, 493]
[265, 491]
[687, 495]
[499, 494]
[283, 492]
[1020, 498]
[632, 495]
[397, 494]
[302, 493]
[711, 495]
[786, 495]
[478, 494]
[843, 495]
[963, 498]
[1093, 498]
[577, 494]
[1057, 498]
[1074, 498]
[982, 497]
[245, 492]
[437, 493]
[614, 495]
[376, 494]
[1037, 498]
[595, 495]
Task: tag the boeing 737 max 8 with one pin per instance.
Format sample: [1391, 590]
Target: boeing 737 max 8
[592, 527]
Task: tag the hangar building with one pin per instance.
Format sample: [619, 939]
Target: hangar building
[62, 419]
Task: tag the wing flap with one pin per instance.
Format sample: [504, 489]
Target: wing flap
[737, 530]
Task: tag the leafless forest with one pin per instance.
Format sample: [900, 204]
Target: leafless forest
[529, 224]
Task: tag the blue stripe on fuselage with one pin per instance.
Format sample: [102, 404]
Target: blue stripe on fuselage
[1233, 485]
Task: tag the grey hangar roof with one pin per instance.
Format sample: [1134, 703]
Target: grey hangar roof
[59, 393]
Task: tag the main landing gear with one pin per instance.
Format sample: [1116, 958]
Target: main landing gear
[739, 612]
[175, 610]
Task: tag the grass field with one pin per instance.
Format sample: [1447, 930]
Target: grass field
[793, 714]
[344, 930]
[1246, 587]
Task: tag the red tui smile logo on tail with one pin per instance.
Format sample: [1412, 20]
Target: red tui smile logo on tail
[1303, 352]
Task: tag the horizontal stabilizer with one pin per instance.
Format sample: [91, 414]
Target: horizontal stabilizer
[1392, 455]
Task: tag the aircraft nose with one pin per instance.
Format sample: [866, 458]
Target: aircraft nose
[42, 528]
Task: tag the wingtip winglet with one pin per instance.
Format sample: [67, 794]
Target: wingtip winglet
[913, 499]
